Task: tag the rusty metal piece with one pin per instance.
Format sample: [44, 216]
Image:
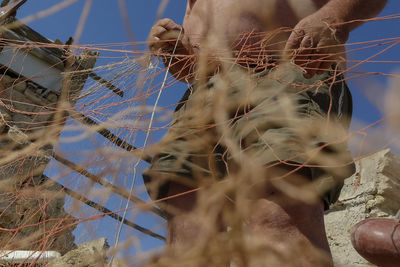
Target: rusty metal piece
[378, 241]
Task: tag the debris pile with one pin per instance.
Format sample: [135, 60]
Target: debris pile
[373, 191]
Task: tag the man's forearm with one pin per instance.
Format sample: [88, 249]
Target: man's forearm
[353, 12]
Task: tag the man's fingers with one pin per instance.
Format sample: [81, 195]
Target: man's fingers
[303, 57]
[294, 39]
[293, 42]
[325, 66]
[160, 36]
[161, 27]
[305, 51]
[166, 37]
[312, 67]
[307, 42]
[157, 31]
[328, 56]
[168, 24]
[154, 37]
[171, 35]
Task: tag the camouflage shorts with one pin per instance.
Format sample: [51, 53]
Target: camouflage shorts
[275, 116]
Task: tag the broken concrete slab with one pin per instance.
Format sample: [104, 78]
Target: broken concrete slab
[89, 254]
[373, 191]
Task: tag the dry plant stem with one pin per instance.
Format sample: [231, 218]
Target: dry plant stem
[146, 137]
[269, 215]
[110, 136]
[63, 103]
[127, 24]
[47, 12]
[78, 69]
[82, 21]
[161, 9]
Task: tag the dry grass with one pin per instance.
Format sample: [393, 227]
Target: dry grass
[94, 171]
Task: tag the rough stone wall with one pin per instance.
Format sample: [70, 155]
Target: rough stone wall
[376, 195]
[31, 207]
[90, 254]
[32, 215]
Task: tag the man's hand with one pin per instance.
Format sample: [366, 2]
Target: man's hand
[316, 43]
[168, 41]
[165, 35]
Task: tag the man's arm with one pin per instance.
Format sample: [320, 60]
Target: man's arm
[317, 40]
[168, 41]
[353, 12]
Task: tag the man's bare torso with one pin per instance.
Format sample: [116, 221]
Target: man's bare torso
[231, 20]
[309, 33]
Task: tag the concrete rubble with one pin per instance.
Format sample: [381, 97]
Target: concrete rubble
[373, 191]
[91, 254]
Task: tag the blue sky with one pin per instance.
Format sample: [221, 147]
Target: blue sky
[105, 26]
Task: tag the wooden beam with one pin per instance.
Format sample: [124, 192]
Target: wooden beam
[106, 83]
[110, 136]
[106, 211]
[115, 189]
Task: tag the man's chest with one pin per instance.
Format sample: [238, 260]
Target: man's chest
[300, 7]
[231, 18]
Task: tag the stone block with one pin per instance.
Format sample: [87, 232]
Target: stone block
[20, 85]
[17, 136]
[373, 191]
[32, 123]
[19, 101]
[31, 85]
[28, 165]
[23, 122]
[53, 98]
[89, 254]
[4, 110]
[4, 119]
[37, 99]
[6, 80]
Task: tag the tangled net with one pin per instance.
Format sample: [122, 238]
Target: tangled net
[73, 158]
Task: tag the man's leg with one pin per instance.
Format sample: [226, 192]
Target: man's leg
[183, 226]
[195, 233]
[292, 227]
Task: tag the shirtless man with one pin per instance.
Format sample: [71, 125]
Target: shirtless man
[308, 33]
